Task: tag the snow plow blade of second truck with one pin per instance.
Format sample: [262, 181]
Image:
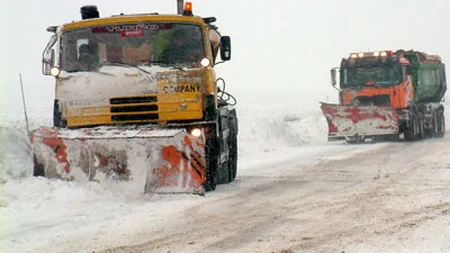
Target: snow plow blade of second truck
[355, 123]
[159, 160]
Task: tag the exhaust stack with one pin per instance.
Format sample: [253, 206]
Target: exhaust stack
[89, 12]
[180, 4]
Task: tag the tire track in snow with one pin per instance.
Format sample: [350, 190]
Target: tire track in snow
[252, 213]
[316, 208]
[371, 209]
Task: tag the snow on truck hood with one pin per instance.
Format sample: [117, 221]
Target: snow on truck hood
[110, 132]
[107, 82]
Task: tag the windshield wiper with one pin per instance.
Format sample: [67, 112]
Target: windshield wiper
[123, 64]
[165, 64]
[90, 71]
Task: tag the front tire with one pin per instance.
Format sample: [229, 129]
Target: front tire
[415, 130]
[58, 120]
[38, 169]
[211, 166]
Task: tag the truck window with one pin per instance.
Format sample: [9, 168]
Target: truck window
[135, 44]
[378, 75]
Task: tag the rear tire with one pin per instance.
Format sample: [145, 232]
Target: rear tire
[224, 173]
[435, 125]
[233, 157]
[421, 133]
[228, 170]
[441, 125]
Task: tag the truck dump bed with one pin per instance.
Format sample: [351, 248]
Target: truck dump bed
[428, 77]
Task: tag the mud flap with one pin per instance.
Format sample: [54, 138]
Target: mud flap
[352, 121]
[159, 160]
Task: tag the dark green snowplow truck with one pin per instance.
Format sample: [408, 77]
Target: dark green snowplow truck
[387, 93]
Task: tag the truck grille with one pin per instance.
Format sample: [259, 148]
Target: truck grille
[136, 108]
[374, 100]
[133, 100]
[134, 117]
[121, 106]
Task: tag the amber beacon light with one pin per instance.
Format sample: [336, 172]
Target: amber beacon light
[187, 9]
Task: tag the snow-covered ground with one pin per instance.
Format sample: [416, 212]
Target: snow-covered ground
[294, 191]
[50, 214]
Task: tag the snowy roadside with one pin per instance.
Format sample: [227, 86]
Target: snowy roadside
[55, 216]
[39, 211]
[430, 236]
[350, 201]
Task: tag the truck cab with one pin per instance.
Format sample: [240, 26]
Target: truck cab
[399, 91]
[146, 69]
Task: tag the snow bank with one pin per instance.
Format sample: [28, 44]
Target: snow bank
[268, 129]
[15, 153]
[15, 157]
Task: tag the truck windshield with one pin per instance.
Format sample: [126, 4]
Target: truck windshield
[362, 76]
[175, 44]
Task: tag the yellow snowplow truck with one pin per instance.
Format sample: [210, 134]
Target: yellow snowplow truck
[137, 99]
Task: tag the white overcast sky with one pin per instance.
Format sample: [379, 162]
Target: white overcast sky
[277, 46]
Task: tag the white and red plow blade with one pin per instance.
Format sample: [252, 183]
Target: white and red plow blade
[161, 160]
[362, 120]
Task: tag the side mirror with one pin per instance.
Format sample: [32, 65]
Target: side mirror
[225, 48]
[48, 57]
[48, 61]
[333, 77]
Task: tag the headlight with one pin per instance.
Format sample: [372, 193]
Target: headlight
[196, 132]
[55, 71]
[205, 62]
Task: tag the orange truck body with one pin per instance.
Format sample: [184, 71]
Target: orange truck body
[385, 94]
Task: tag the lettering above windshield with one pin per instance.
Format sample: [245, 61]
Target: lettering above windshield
[135, 27]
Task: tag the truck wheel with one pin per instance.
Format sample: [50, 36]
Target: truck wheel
[435, 125]
[232, 156]
[211, 169]
[210, 183]
[441, 125]
[223, 176]
[38, 169]
[58, 120]
[421, 128]
[224, 173]
[409, 135]
[414, 132]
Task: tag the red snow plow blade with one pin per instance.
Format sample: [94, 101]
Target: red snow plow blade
[161, 160]
[346, 121]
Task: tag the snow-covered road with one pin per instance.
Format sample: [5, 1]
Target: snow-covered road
[324, 197]
[375, 198]
[294, 191]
